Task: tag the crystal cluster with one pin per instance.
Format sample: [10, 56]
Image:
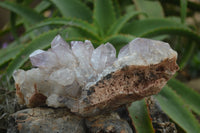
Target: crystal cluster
[65, 70]
[144, 52]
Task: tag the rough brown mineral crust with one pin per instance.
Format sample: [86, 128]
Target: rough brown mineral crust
[127, 85]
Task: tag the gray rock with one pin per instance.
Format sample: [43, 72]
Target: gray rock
[45, 120]
[108, 123]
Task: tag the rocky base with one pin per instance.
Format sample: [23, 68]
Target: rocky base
[61, 120]
[45, 120]
[48, 120]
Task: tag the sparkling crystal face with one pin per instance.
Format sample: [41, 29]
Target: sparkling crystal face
[64, 71]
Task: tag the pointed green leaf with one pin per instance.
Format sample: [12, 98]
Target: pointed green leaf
[155, 27]
[13, 26]
[188, 53]
[141, 27]
[74, 8]
[188, 95]
[183, 10]
[140, 116]
[152, 8]
[27, 13]
[12, 49]
[117, 8]
[104, 15]
[42, 6]
[173, 31]
[193, 5]
[177, 110]
[9, 53]
[116, 27]
[70, 22]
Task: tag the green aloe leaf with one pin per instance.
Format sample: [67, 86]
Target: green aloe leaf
[189, 96]
[42, 6]
[13, 26]
[104, 15]
[83, 25]
[188, 53]
[192, 5]
[12, 49]
[153, 9]
[173, 31]
[74, 8]
[117, 8]
[183, 10]
[116, 27]
[141, 27]
[140, 116]
[177, 110]
[9, 53]
[155, 27]
[27, 13]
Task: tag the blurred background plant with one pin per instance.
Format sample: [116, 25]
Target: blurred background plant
[32, 24]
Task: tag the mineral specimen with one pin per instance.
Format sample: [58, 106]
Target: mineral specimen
[90, 81]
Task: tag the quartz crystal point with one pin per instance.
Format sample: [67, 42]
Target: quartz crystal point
[103, 56]
[64, 55]
[91, 81]
[43, 59]
[59, 41]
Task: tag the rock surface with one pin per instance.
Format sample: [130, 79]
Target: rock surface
[91, 81]
[47, 120]
[108, 123]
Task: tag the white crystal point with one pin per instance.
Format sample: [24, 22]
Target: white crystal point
[83, 52]
[103, 56]
[142, 51]
[89, 47]
[99, 58]
[58, 40]
[124, 51]
[65, 56]
[73, 43]
[19, 76]
[43, 59]
[63, 76]
[110, 53]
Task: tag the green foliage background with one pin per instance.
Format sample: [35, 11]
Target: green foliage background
[114, 21]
